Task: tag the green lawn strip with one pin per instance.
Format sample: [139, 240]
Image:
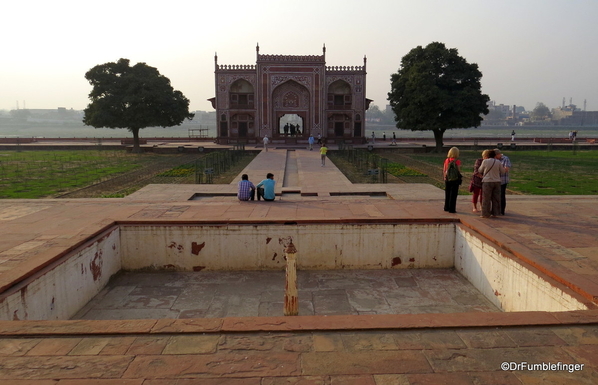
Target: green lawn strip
[537, 172]
[37, 174]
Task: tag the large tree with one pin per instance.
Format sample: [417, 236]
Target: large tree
[133, 98]
[436, 89]
[541, 112]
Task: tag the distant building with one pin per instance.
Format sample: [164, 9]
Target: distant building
[289, 97]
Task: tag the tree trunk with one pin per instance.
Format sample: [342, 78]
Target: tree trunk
[438, 134]
[136, 148]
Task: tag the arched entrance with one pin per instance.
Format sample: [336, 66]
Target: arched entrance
[291, 126]
[291, 110]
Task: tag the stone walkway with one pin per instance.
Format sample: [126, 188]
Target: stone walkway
[556, 236]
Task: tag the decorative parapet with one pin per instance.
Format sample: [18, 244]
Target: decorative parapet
[332, 69]
[235, 67]
[292, 58]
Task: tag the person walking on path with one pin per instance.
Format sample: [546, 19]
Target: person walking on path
[513, 136]
[451, 172]
[311, 141]
[246, 190]
[475, 187]
[265, 189]
[491, 169]
[266, 141]
[394, 139]
[323, 151]
[320, 139]
[373, 137]
[504, 178]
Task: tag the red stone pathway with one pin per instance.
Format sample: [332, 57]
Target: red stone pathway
[556, 235]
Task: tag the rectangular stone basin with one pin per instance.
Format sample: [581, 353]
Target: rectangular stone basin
[405, 254]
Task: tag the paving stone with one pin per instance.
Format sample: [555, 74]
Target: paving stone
[557, 378]
[54, 347]
[219, 364]
[102, 382]
[391, 379]
[577, 335]
[329, 302]
[207, 381]
[483, 360]
[498, 378]
[89, 346]
[328, 342]
[320, 380]
[428, 339]
[117, 346]
[148, 345]
[363, 362]
[531, 336]
[192, 344]
[17, 347]
[488, 339]
[439, 378]
[368, 341]
[52, 367]
[187, 325]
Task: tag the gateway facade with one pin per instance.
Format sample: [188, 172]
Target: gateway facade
[289, 97]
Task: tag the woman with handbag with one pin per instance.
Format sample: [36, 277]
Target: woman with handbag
[491, 169]
[475, 186]
[451, 173]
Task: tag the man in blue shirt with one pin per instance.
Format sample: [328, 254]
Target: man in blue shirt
[311, 142]
[504, 178]
[265, 188]
[246, 189]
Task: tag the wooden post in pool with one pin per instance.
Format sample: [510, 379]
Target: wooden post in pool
[291, 304]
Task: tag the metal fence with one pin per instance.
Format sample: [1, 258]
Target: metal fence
[366, 162]
[216, 163]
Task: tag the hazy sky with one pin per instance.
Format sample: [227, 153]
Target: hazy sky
[529, 51]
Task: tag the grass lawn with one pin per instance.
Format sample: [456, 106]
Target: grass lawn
[533, 172]
[36, 174]
[46, 174]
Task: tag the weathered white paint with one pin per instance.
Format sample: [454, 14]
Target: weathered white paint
[63, 288]
[505, 282]
[256, 247]
[60, 290]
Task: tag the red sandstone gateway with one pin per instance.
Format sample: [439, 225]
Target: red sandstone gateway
[289, 98]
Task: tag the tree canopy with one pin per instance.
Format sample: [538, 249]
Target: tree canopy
[133, 98]
[436, 89]
[541, 112]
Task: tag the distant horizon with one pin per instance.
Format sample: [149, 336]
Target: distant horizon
[528, 52]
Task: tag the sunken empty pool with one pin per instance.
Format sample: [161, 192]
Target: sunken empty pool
[360, 268]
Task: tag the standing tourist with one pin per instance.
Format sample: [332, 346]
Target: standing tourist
[246, 189]
[394, 139]
[311, 141]
[451, 173]
[513, 136]
[320, 139]
[504, 178]
[266, 141]
[475, 187]
[491, 169]
[265, 189]
[323, 151]
[373, 137]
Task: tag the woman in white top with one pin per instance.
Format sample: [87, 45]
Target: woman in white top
[491, 169]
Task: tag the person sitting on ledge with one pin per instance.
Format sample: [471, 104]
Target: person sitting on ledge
[246, 189]
[265, 189]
